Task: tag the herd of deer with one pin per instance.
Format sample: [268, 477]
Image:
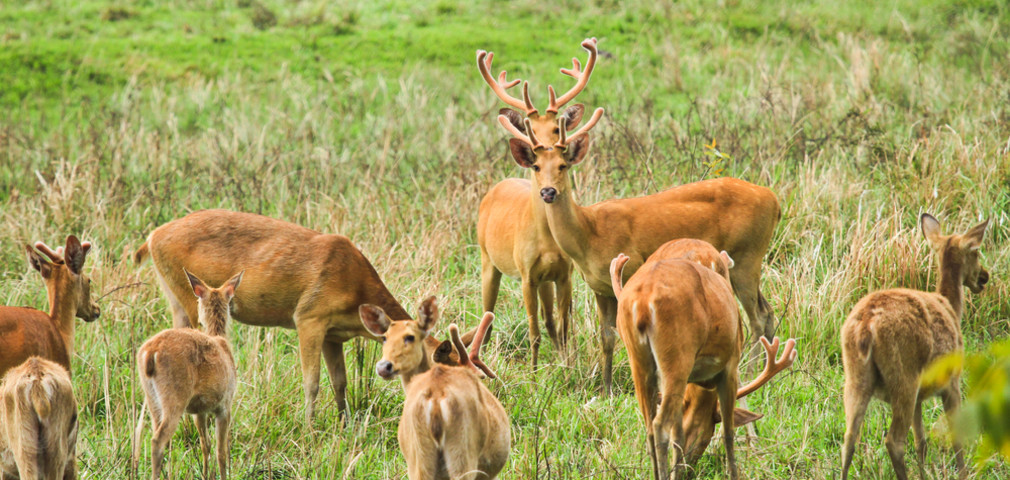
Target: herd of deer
[664, 269]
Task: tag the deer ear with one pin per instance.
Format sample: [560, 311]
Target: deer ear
[522, 153]
[930, 229]
[232, 283]
[573, 116]
[443, 354]
[742, 417]
[973, 238]
[38, 262]
[577, 150]
[427, 313]
[74, 255]
[374, 318]
[199, 288]
[515, 118]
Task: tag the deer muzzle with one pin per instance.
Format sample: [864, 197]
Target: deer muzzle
[548, 194]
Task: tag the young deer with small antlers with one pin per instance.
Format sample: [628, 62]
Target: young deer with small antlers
[183, 370]
[38, 422]
[681, 326]
[27, 331]
[891, 336]
[733, 215]
[452, 426]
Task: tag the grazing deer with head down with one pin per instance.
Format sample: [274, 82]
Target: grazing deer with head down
[25, 332]
[681, 326]
[733, 215]
[38, 422]
[298, 278]
[452, 426]
[183, 370]
[891, 336]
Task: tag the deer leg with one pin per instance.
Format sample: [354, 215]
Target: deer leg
[333, 353]
[201, 430]
[951, 402]
[607, 311]
[563, 289]
[727, 396]
[670, 419]
[223, 447]
[919, 432]
[643, 372]
[546, 291]
[490, 281]
[530, 300]
[767, 315]
[311, 335]
[180, 316]
[858, 392]
[164, 428]
[902, 408]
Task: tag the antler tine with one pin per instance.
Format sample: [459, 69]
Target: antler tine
[532, 136]
[507, 125]
[498, 86]
[565, 139]
[581, 75]
[457, 342]
[772, 366]
[478, 342]
[56, 256]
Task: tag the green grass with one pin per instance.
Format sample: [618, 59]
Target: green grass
[369, 119]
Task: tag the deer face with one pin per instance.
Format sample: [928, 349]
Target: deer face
[403, 345]
[550, 165]
[63, 272]
[958, 251]
[701, 415]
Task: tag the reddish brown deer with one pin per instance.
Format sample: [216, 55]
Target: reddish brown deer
[681, 326]
[891, 336]
[25, 332]
[512, 227]
[38, 422]
[183, 370]
[452, 426]
[733, 215]
[297, 278]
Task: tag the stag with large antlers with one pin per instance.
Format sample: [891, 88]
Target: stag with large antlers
[512, 227]
[733, 215]
[28, 331]
[681, 326]
[452, 426]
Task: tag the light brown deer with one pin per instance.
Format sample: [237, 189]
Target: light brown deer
[452, 426]
[297, 278]
[891, 336]
[183, 370]
[25, 332]
[38, 422]
[512, 227]
[681, 326]
[731, 214]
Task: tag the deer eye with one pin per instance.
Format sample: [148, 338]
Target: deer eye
[408, 339]
[562, 168]
[383, 338]
[536, 168]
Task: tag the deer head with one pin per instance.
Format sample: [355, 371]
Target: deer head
[69, 288]
[958, 252]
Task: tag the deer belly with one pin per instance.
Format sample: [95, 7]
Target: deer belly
[705, 369]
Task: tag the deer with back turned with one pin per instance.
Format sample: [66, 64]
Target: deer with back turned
[891, 336]
[731, 214]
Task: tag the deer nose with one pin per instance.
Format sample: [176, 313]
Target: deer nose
[97, 312]
[548, 194]
[384, 368]
[983, 278]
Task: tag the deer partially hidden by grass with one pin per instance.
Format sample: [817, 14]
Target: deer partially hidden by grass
[25, 332]
[452, 426]
[183, 370]
[891, 336]
[38, 422]
[681, 326]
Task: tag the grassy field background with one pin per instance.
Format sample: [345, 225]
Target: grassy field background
[369, 119]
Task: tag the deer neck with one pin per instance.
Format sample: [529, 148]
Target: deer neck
[570, 225]
[538, 210]
[424, 366]
[62, 313]
[950, 284]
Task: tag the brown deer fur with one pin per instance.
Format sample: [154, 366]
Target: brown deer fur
[38, 422]
[297, 278]
[25, 332]
[183, 370]
[891, 336]
[452, 426]
[731, 214]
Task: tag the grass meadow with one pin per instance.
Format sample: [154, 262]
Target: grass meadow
[370, 119]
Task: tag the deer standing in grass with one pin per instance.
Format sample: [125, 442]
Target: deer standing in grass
[298, 278]
[731, 214]
[452, 426]
[25, 332]
[891, 336]
[183, 370]
[38, 422]
[681, 326]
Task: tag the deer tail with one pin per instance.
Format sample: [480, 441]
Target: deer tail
[142, 253]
